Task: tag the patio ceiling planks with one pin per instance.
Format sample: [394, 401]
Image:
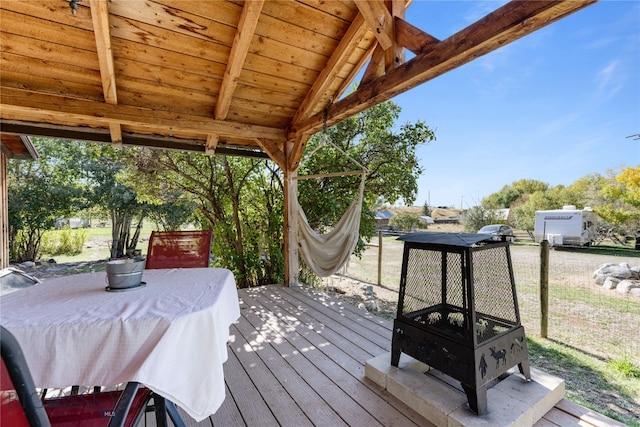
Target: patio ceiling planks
[209, 76]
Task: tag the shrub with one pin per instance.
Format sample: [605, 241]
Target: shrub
[63, 242]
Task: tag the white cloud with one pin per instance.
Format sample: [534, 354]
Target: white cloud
[608, 81]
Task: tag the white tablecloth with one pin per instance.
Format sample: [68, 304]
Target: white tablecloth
[170, 335]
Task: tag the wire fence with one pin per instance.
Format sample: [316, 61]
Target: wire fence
[583, 315]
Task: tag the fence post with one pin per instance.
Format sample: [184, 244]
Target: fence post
[379, 257]
[544, 287]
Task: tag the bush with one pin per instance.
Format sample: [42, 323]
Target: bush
[63, 242]
[405, 222]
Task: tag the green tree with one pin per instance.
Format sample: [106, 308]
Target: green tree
[621, 201]
[232, 196]
[405, 222]
[102, 167]
[478, 216]
[371, 140]
[241, 199]
[426, 209]
[38, 193]
[509, 194]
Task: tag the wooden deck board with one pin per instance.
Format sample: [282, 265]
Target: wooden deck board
[342, 369]
[297, 356]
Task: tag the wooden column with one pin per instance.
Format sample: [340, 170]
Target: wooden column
[4, 213]
[291, 262]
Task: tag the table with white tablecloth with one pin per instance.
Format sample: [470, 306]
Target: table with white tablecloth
[170, 334]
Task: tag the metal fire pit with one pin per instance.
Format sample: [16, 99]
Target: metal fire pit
[458, 311]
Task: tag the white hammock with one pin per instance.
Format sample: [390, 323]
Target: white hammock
[324, 254]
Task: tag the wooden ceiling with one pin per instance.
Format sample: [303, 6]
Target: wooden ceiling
[251, 78]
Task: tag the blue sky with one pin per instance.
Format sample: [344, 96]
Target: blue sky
[553, 106]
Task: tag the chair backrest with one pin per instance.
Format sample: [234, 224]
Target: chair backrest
[20, 403]
[179, 249]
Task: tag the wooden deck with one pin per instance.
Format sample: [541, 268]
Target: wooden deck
[297, 358]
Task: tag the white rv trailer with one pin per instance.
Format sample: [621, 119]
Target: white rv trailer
[566, 227]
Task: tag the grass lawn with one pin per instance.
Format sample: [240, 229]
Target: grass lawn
[97, 243]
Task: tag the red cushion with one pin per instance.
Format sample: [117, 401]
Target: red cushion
[92, 409]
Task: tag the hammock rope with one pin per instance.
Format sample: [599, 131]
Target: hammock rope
[326, 253]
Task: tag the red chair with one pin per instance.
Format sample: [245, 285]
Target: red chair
[20, 403]
[179, 249]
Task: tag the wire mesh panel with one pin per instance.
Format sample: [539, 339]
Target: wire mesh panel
[494, 291]
[434, 291]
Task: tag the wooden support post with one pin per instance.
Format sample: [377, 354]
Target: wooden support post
[4, 213]
[544, 287]
[379, 257]
[291, 263]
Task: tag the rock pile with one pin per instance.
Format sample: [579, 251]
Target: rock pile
[621, 277]
[370, 303]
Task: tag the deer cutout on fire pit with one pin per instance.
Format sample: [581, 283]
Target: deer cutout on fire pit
[499, 355]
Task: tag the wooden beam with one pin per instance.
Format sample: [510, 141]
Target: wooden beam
[317, 94]
[241, 43]
[100, 18]
[379, 20]
[296, 151]
[350, 79]
[211, 144]
[115, 130]
[39, 107]
[413, 38]
[4, 212]
[348, 44]
[291, 260]
[275, 152]
[508, 23]
[395, 55]
[376, 66]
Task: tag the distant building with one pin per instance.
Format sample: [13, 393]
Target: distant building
[382, 219]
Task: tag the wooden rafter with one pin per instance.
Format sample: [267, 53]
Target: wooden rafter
[344, 49]
[211, 144]
[375, 68]
[379, 20]
[274, 150]
[413, 38]
[100, 18]
[395, 55]
[511, 22]
[241, 43]
[115, 130]
[315, 96]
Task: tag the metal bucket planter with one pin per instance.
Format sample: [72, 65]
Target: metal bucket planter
[125, 273]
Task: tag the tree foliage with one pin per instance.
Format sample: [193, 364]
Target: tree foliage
[70, 176]
[241, 199]
[370, 140]
[621, 201]
[478, 216]
[615, 198]
[511, 193]
[39, 192]
[405, 222]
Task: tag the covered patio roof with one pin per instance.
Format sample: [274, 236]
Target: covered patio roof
[249, 78]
